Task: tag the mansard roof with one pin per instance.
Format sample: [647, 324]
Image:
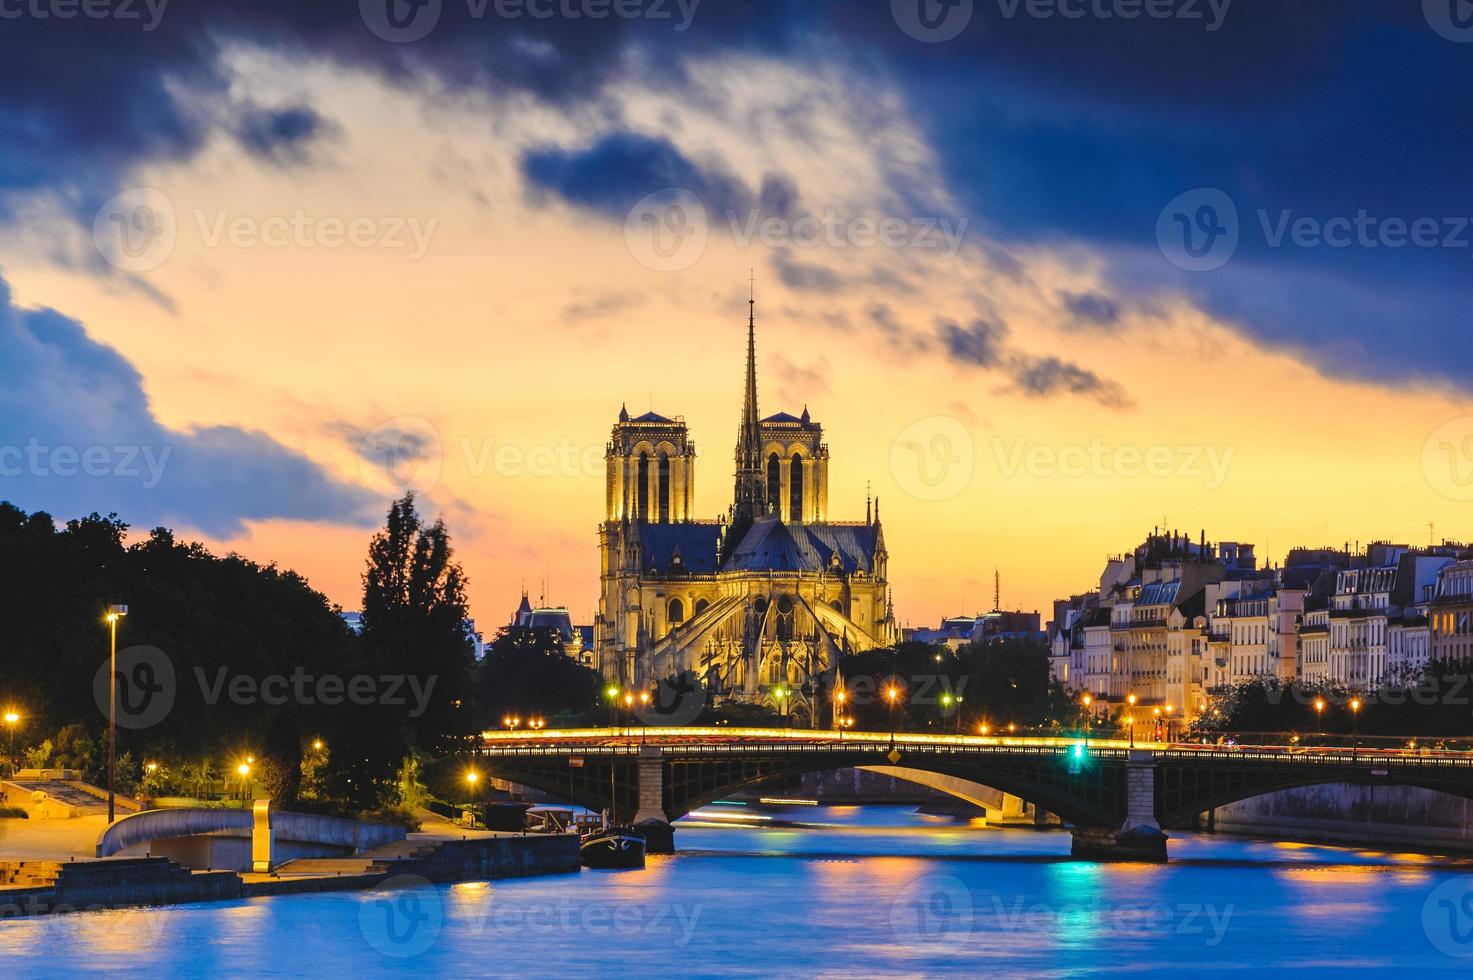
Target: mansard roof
[770, 545]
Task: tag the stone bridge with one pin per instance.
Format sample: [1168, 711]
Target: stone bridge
[1116, 799]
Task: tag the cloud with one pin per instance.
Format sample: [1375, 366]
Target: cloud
[983, 344]
[601, 305]
[281, 136]
[77, 434]
[805, 276]
[1090, 309]
[1044, 377]
[620, 168]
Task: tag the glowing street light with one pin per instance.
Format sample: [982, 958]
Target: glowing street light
[317, 745]
[114, 613]
[892, 694]
[12, 718]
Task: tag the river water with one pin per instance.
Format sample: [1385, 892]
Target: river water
[825, 891]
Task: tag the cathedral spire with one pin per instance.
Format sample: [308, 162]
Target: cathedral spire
[751, 490]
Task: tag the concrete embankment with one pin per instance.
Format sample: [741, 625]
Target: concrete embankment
[44, 887]
[1368, 816]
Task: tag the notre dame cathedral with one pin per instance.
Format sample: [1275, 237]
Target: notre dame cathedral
[761, 600]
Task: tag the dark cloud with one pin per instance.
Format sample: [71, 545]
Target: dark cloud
[1091, 309]
[1044, 377]
[983, 344]
[980, 344]
[282, 136]
[77, 434]
[1053, 128]
[805, 276]
[613, 174]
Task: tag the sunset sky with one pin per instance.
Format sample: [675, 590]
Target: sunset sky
[1032, 372]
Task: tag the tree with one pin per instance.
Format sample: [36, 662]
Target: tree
[526, 673]
[414, 616]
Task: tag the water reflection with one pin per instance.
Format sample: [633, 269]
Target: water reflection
[815, 891]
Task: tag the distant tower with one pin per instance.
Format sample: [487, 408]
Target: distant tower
[651, 464]
[751, 482]
[996, 590]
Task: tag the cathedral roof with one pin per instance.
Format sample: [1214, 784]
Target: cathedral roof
[773, 546]
[653, 417]
[692, 542]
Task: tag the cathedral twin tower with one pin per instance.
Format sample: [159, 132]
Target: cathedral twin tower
[763, 598]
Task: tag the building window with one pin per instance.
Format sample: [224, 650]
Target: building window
[795, 506]
[664, 489]
[639, 502]
[677, 612]
[774, 482]
[701, 605]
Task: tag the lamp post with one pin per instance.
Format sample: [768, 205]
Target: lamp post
[1354, 728]
[612, 694]
[114, 613]
[782, 703]
[1088, 717]
[12, 718]
[644, 724]
[892, 693]
[1169, 710]
[1156, 723]
[1130, 718]
[628, 712]
[839, 698]
[1319, 714]
[245, 775]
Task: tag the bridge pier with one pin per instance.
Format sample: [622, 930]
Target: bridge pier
[650, 819]
[1139, 838]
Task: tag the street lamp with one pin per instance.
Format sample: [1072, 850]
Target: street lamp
[1319, 714]
[114, 613]
[1089, 719]
[12, 719]
[245, 774]
[982, 728]
[612, 694]
[644, 722]
[892, 693]
[1354, 727]
[1130, 718]
[628, 711]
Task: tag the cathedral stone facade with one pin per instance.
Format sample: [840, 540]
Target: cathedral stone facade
[758, 602]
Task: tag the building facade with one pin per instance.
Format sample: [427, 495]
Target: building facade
[759, 601]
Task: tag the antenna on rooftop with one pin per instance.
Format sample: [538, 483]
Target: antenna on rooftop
[996, 590]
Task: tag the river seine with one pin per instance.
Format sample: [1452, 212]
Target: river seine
[826, 891]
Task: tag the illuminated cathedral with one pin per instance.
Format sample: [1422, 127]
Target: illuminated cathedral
[759, 603]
